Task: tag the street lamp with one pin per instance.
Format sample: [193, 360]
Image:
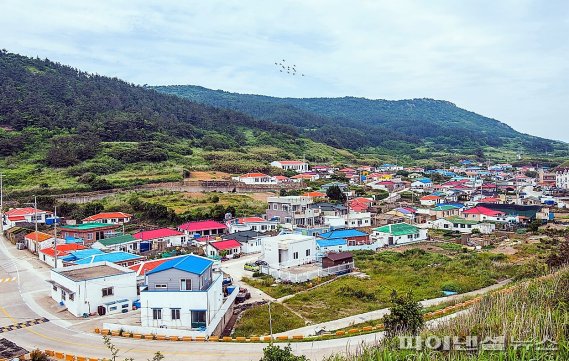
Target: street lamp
[270, 322]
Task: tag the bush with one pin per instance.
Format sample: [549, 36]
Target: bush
[405, 316]
[275, 353]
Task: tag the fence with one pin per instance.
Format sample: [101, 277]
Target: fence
[297, 277]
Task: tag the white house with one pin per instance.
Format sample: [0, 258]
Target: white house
[124, 242]
[358, 219]
[463, 225]
[255, 178]
[47, 255]
[227, 247]
[294, 165]
[103, 288]
[109, 217]
[562, 178]
[37, 241]
[183, 293]
[250, 241]
[16, 216]
[288, 250]
[422, 183]
[397, 234]
[256, 224]
[430, 200]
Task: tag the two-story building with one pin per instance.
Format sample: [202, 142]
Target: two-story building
[89, 232]
[292, 209]
[17, 216]
[288, 250]
[183, 293]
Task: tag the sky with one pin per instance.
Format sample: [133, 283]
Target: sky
[505, 59]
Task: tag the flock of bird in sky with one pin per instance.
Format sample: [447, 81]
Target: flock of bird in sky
[289, 69]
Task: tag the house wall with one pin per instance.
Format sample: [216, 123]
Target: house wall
[278, 257]
[171, 278]
[88, 294]
[210, 300]
[382, 239]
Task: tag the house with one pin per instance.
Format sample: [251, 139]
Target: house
[255, 178]
[146, 266]
[398, 234]
[47, 255]
[315, 194]
[17, 216]
[292, 209]
[480, 213]
[102, 288]
[184, 293]
[288, 250]
[358, 219]
[517, 212]
[343, 186]
[89, 232]
[430, 200]
[281, 179]
[293, 165]
[37, 241]
[109, 217]
[353, 237]
[462, 225]
[228, 247]
[360, 204]
[446, 210]
[330, 209]
[309, 177]
[120, 258]
[422, 183]
[203, 228]
[338, 259]
[124, 242]
[160, 239]
[250, 240]
[324, 246]
[256, 224]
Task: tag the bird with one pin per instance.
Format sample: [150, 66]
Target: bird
[302, 74]
[275, 63]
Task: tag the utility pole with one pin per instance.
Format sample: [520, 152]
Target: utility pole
[55, 236]
[270, 322]
[1, 204]
[36, 218]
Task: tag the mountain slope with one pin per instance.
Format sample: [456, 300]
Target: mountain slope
[357, 123]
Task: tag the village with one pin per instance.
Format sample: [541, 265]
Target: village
[196, 279]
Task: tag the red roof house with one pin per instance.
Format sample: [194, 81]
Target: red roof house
[109, 217]
[204, 228]
[227, 247]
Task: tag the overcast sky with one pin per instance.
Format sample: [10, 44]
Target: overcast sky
[504, 59]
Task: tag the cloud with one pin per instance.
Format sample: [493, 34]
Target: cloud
[502, 59]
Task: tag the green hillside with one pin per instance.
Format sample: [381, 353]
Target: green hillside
[364, 124]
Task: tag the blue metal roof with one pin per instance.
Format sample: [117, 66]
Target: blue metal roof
[343, 233]
[190, 263]
[108, 257]
[424, 180]
[331, 242]
[84, 253]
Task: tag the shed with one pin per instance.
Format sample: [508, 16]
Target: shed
[336, 259]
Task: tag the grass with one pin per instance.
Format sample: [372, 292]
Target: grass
[255, 321]
[268, 285]
[535, 311]
[426, 273]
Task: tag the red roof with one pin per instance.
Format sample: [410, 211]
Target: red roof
[303, 175]
[281, 177]
[23, 211]
[430, 198]
[483, 210]
[489, 200]
[38, 236]
[314, 194]
[201, 226]
[157, 233]
[145, 266]
[107, 215]
[227, 244]
[254, 175]
[290, 162]
[62, 249]
[251, 220]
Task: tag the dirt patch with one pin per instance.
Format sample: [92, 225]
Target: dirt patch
[203, 176]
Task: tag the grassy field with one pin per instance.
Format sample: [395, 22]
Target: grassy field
[255, 321]
[268, 285]
[426, 273]
[536, 311]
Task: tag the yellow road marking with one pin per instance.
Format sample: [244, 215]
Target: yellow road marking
[136, 350]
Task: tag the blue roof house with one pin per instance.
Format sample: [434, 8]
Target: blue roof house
[185, 293]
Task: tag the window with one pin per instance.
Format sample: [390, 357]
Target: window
[89, 236]
[185, 285]
[113, 308]
[156, 313]
[175, 313]
[275, 206]
[107, 291]
[125, 305]
[54, 287]
[307, 252]
[199, 319]
[160, 285]
[63, 295]
[71, 297]
[295, 255]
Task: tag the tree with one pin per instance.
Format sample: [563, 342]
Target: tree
[336, 194]
[275, 353]
[405, 316]
[559, 257]
[534, 225]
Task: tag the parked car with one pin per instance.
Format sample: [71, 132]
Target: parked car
[245, 292]
[227, 281]
[260, 262]
[251, 267]
[236, 255]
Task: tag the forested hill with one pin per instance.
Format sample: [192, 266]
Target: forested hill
[357, 122]
[76, 107]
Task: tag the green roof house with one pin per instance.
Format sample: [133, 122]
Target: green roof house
[398, 234]
[123, 242]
